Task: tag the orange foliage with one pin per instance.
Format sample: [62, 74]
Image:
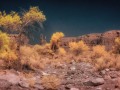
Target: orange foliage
[61, 51]
[99, 51]
[78, 47]
[55, 40]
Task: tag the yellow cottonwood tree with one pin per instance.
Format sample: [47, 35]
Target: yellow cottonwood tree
[14, 22]
[21, 23]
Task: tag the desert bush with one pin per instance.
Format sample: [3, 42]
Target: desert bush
[99, 51]
[55, 40]
[4, 41]
[104, 62]
[6, 53]
[32, 58]
[43, 50]
[116, 47]
[61, 51]
[117, 62]
[78, 47]
[51, 82]
[29, 57]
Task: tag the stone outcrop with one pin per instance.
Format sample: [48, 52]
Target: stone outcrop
[106, 38]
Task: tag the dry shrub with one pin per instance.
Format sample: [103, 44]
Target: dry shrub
[9, 57]
[117, 63]
[4, 42]
[102, 63]
[30, 58]
[43, 50]
[99, 51]
[116, 48]
[78, 47]
[109, 61]
[35, 57]
[6, 53]
[13, 45]
[62, 51]
[50, 82]
[55, 40]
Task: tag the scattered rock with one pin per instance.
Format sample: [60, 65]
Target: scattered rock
[72, 68]
[74, 89]
[107, 77]
[4, 84]
[24, 83]
[11, 77]
[113, 75]
[94, 82]
[99, 88]
[112, 69]
[103, 72]
[39, 87]
[98, 81]
[107, 69]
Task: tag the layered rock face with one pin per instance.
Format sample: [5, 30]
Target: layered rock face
[106, 38]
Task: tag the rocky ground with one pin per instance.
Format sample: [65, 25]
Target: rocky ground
[75, 76]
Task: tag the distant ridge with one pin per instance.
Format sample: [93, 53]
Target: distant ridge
[107, 38]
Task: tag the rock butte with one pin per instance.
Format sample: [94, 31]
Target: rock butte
[107, 38]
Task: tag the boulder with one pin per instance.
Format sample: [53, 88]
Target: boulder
[94, 82]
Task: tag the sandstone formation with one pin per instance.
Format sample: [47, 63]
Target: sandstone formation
[106, 38]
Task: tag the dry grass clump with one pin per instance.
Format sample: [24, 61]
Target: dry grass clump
[43, 50]
[99, 51]
[101, 58]
[104, 62]
[50, 82]
[78, 47]
[30, 58]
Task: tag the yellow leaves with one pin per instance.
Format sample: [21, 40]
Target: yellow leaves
[56, 36]
[10, 21]
[4, 41]
[5, 52]
[55, 40]
[34, 14]
[14, 21]
[8, 55]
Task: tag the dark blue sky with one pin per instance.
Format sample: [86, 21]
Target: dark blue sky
[73, 17]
